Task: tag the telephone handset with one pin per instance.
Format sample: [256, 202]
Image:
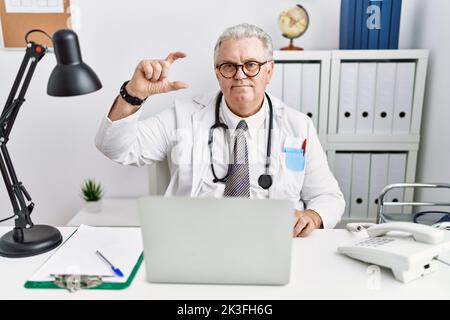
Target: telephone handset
[419, 232]
[408, 249]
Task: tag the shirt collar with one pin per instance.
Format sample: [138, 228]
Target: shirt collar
[254, 122]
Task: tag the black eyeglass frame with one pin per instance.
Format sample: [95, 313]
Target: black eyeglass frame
[241, 66]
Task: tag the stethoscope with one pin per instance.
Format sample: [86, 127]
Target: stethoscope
[265, 180]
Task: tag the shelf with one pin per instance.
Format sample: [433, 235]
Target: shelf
[372, 138]
[378, 55]
[306, 55]
[370, 147]
[354, 141]
[118, 212]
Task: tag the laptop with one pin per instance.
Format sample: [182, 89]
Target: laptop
[217, 241]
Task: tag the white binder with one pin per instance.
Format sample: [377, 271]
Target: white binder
[292, 85]
[404, 92]
[367, 77]
[311, 91]
[343, 174]
[397, 174]
[347, 98]
[276, 83]
[378, 180]
[360, 185]
[384, 102]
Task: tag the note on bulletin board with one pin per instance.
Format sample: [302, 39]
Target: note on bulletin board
[20, 16]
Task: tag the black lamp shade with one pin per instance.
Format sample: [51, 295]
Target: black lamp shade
[71, 76]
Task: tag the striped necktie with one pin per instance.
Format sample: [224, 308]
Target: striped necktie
[238, 183]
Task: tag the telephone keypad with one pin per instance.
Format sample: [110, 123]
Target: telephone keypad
[374, 242]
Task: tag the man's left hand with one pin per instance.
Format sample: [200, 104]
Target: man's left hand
[305, 223]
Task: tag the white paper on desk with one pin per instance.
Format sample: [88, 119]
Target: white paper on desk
[121, 246]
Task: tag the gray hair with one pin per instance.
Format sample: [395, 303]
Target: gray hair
[242, 31]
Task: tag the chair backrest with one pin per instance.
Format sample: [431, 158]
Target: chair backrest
[382, 216]
[159, 178]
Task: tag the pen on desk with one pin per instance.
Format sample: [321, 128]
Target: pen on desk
[114, 269]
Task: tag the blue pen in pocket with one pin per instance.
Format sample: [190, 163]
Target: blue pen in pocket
[295, 159]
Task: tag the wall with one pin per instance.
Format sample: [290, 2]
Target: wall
[431, 29]
[52, 142]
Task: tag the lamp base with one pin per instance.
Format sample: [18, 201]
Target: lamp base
[36, 240]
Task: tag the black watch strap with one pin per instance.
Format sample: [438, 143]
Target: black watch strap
[135, 101]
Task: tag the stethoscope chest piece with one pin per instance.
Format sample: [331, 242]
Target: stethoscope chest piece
[265, 181]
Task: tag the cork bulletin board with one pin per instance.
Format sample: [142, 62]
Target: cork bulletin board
[20, 16]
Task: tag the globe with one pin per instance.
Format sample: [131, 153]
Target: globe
[293, 23]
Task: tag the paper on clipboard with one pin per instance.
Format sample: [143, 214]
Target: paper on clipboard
[77, 256]
[34, 6]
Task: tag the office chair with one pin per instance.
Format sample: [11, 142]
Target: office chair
[382, 216]
[159, 178]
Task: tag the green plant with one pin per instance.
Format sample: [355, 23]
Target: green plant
[92, 191]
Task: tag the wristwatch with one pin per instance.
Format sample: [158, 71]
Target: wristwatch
[135, 101]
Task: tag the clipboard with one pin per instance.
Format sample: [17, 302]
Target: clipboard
[75, 266]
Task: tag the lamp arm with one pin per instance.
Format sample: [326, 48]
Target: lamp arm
[15, 87]
[33, 53]
[16, 190]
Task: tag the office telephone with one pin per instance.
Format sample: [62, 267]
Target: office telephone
[409, 249]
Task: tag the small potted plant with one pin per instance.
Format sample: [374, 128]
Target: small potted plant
[92, 193]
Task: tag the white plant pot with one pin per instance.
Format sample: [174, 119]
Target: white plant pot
[93, 206]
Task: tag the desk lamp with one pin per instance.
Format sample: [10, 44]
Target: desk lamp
[70, 77]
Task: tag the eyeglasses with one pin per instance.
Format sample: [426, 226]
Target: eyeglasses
[251, 68]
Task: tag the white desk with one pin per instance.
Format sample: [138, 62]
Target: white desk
[318, 272]
[114, 213]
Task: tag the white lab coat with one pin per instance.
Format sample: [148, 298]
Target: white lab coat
[180, 136]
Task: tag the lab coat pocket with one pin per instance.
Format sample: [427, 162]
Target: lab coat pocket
[292, 173]
[294, 159]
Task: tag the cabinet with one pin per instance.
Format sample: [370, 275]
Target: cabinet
[367, 107]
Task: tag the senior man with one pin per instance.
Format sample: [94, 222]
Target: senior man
[239, 142]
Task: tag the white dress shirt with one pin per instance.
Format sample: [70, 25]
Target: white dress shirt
[256, 137]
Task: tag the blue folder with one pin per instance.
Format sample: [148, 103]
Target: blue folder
[365, 30]
[374, 34]
[395, 24]
[386, 10]
[347, 24]
[359, 24]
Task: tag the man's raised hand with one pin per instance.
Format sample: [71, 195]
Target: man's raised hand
[150, 77]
